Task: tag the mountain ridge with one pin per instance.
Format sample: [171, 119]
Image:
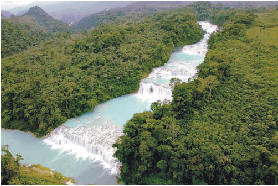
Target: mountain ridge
[68, 11]
[6, 14]
[39, 18]
[36, 10]
[22, 32]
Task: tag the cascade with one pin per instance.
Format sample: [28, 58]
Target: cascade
[153, 88]
[94, 139]
[90, 141]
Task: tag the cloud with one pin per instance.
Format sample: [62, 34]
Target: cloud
[9, 4]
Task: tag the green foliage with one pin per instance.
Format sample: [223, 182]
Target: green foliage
[221, 128]
[9, 167]
[12, 173]
[119, 15]
[44, 86]
[22, 32]
[38, 18]
[94, 20]
[18, 37]
[150, 142]
[174, 81]
[266, 28]
[220, 15]
[202, 10]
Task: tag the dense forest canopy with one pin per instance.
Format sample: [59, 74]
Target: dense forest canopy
[22, 32]
[215, 11]
[112, 16]
[18, 37]
[221, 128]
[60, 79]
[38, 18]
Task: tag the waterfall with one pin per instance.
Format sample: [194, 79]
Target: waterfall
[152, 91]
[90, 141]
[93, 138]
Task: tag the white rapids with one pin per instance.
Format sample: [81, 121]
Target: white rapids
[153, 90]
[94, 141]
[91, 141]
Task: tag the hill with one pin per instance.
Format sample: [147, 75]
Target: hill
[38, 18]
[246, 4]
[222, 127]
[111, 16]
[70, 77]
[17, 37]
[138, 9]
[6, 14]
[133, 11]
[71, 11]
[22, 32]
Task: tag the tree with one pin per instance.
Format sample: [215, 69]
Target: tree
[174, 81]
[9, 167]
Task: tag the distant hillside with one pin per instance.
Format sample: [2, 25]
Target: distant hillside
[17, 37]
[69, 78]
[131, 11]
[113, 15]
[159, 4]
[221, 128]
[22, 32]
[40, 19]
[175, 4]
[231, 4]
[244, 4]
[71, 11]
[6, 14]
[136, 9]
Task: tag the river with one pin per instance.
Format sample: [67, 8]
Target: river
[81, 148]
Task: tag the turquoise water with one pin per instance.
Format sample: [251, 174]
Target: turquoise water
[35, 151]
[162, 80]
[180, 56]
[84, 171]
[117, 111]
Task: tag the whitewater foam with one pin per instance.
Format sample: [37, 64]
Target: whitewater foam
[151, 91]
[93, 142]
[93, 139]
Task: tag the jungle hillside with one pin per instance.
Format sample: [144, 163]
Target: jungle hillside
[221, 127]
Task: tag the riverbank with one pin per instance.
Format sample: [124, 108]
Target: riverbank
[13, 173]
[221, 128]
[75, 152]
[69, 78]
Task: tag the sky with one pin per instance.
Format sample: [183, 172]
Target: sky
[9, 4]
